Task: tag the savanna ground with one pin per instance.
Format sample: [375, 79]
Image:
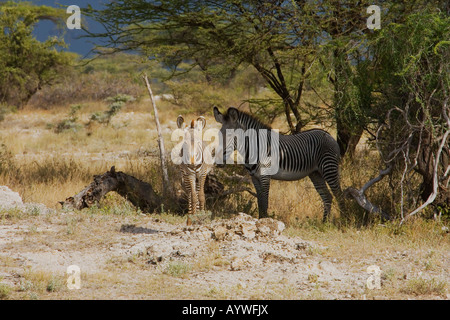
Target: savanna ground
[125, 254]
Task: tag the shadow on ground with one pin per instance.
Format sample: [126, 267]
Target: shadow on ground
[131, 228]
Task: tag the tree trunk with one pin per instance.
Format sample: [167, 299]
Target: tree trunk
[349, 130]
[426, 170]
[346, 139]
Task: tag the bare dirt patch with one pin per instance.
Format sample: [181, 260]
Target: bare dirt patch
[150, 257]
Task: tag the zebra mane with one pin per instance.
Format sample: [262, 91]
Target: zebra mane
[250, 121]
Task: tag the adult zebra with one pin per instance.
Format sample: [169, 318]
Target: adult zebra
[313, 153]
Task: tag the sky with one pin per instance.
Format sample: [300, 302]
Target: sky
[46, 28]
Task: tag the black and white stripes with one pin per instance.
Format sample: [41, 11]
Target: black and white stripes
[194, 169]
[312, 153]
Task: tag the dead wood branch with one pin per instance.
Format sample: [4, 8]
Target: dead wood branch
[361, 199]
[219, 192]
[167, 190]
[139, 193]
[240, 183]
[436, 162]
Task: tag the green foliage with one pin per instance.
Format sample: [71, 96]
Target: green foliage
[413, 79]
[79, 87]
[69, 123]
[5, 109]
[283, 41]
[177, 269]
[196, 97]
[116, 104]
[218, 37]
[415, 55]
[414, 67]
[113, 63]
[25, 63]
[55, 284]
[421, 286]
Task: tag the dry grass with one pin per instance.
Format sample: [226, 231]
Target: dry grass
[420, 286]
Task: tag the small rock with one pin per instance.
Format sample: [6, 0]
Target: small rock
[9, 199]
[204, 235]
[270, 227]
[244, 217]
[232, 236]
[302, 246]
[248, 230]
[327, 267]
[237, 264]
[159, 251]
[219, 233]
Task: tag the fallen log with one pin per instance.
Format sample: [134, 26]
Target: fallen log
[141, 193]
[138, 192]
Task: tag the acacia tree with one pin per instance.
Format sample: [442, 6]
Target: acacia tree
[413, 73]
[347, 60]
[281, 39]
[277, 38]
[25, 63]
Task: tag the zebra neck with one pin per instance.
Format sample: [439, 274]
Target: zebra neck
[248, 122]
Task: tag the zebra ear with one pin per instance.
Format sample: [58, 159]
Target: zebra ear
[217, 115]
[180, 121]
[202, 121]
[233, 114]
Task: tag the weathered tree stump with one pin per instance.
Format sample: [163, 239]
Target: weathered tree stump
[138, 192]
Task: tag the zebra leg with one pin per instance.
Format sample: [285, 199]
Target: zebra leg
[321, 187]
[194, 197]
[332, 178]
[201, 190]
[339, 195]
[262, 186]
[190, 188]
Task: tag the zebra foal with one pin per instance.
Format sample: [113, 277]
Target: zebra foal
[193, 167]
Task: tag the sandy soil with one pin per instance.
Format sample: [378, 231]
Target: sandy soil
[145, 257]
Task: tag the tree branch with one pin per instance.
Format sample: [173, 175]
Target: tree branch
[436, 161]
[361, 199]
